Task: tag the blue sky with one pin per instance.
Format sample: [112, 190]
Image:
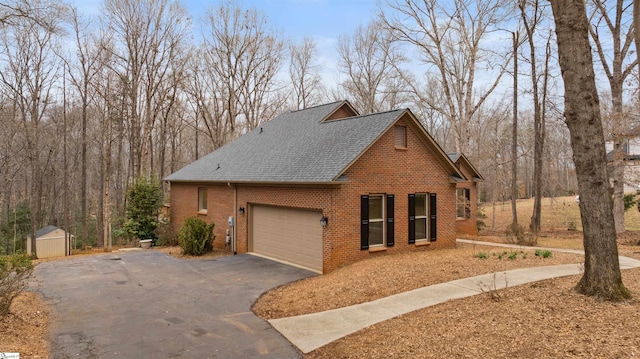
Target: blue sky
[322, 20]
[296, 18]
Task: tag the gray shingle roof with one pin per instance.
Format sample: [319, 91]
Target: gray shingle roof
[455, 156]
[293, 147]
[45, 230]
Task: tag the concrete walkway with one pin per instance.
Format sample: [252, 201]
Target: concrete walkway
[311, 331]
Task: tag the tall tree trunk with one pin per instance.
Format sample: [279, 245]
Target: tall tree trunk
[514, 148]
[83, 205]
[619, 134]
[602, 276]
[636, 26]
[530, 25]
[65, 167]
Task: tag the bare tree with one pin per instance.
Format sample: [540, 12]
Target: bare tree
[148, 36]
[370, 59]
[245, 56]
[636, 25]
[29, 76]
[608, 25]
[601, 276]
[205, 88]
[12, 12]
[89, 52]
[450, 37]
[304, 73]
[514, 145]
[530, 20]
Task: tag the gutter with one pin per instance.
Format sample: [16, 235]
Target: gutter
[235, 223]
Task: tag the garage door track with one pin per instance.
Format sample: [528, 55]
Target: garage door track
[146, 304]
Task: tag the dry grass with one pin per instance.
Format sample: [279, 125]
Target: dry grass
[557, 215]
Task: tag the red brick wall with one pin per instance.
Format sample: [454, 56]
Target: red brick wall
[184, 203]
[342, 112]
[467, 227]
[382, 169]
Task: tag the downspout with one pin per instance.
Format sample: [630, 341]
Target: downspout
[235, 222]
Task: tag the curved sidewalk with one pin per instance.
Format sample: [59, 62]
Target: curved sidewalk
[311, 331]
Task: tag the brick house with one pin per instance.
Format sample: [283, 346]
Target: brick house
[324, 187]
[466, 197]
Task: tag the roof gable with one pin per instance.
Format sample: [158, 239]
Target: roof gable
[462, 160]
[314, 145]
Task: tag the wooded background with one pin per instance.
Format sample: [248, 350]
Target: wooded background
[89, 103]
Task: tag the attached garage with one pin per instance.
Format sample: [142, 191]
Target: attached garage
[287, 234]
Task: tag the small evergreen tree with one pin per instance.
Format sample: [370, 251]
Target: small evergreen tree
[16, 226]
[144, 200]
[196, 236]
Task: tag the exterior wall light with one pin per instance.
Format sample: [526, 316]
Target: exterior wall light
[324, 221]
[241, 210]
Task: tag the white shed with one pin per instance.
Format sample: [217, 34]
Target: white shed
[50, 242]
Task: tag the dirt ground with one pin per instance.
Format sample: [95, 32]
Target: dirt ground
[542, 320]
[539, 320]
[24, 330]
[383, 276]
[546, 319]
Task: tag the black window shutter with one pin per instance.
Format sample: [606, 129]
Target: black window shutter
[412, 218]
[467, 204]
[390, 215]
[432, 217]
[364, 222]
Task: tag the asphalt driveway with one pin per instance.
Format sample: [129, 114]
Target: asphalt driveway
[145, 304]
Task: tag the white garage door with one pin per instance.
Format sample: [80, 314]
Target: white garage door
[291, 235]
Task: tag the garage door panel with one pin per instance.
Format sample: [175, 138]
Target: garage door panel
[287, 234]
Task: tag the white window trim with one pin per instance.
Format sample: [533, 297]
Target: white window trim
[464, 203]
[384, 225]
[203, 209]
[425, 217]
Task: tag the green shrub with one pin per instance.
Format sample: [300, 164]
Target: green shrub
[196, 236]
[144, 200]
[167, 235]
[513, 255]
[481, 255]
[629, 201]
[14, 272]
[543, 253]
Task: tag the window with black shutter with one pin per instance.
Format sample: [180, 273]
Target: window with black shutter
[364, 222]
[412, 218]
[420, 212]
[376, 221]
[390, 220]
[432, 217]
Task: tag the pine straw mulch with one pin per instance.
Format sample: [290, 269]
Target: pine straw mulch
[383, 276]
[546, 319]
[24, 329]
[176, 252]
